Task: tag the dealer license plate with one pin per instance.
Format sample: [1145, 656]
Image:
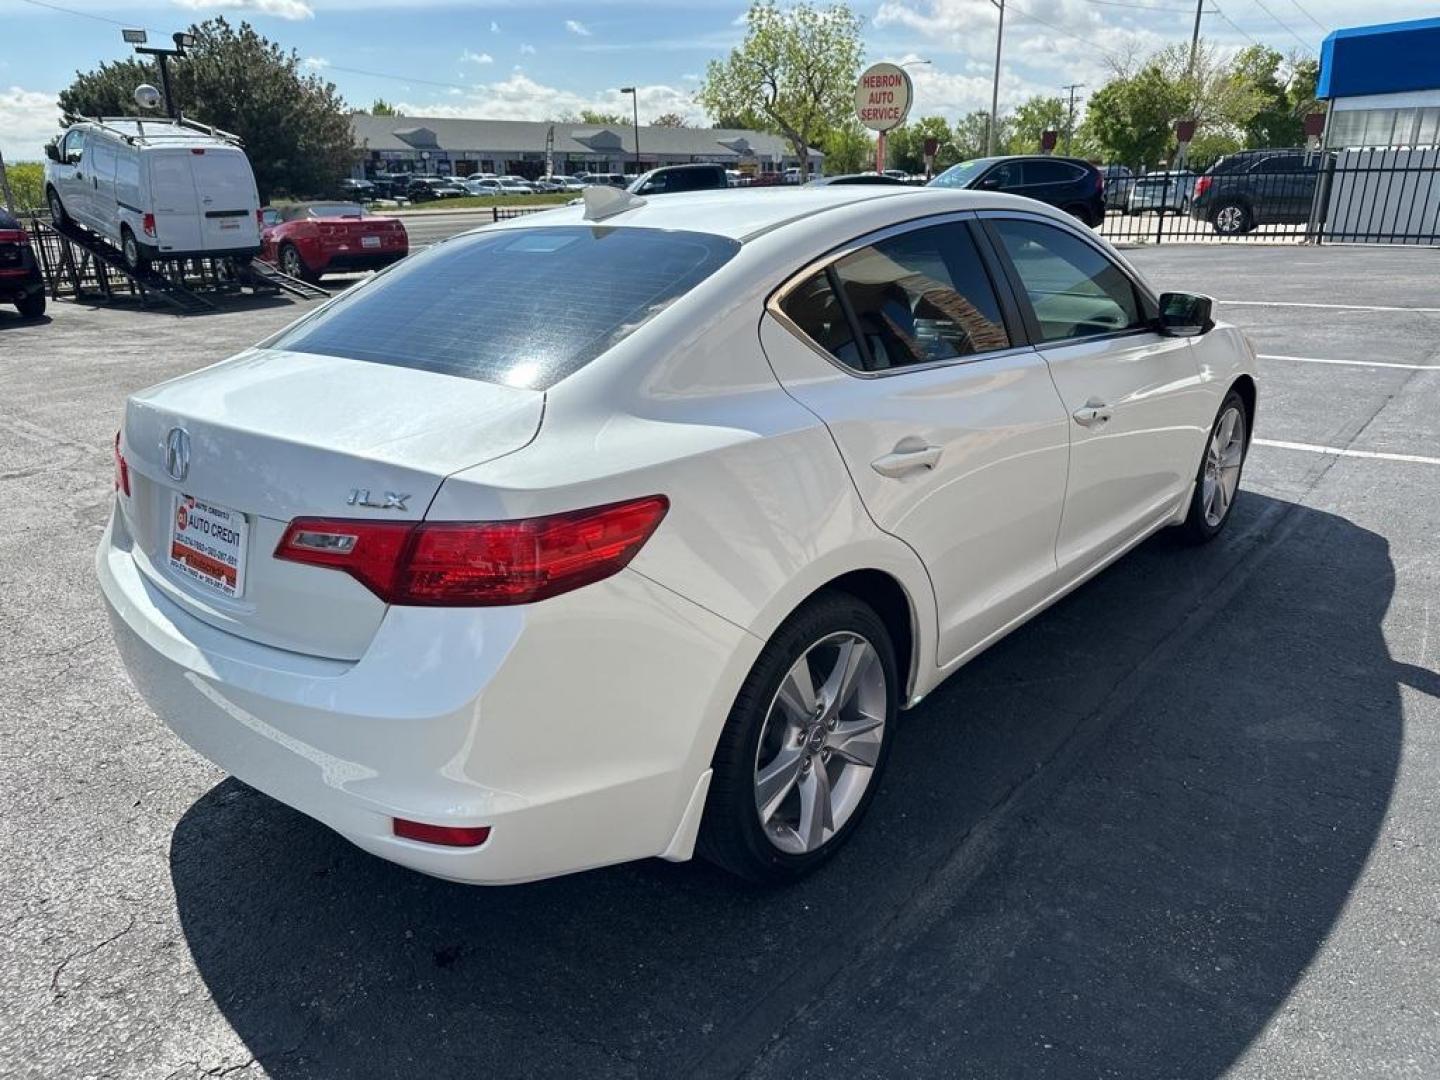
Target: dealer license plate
[370, 241]
[207, 544]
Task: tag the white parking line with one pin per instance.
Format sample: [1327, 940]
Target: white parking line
[1349, 363]
[1337, 451]
[1336, 307]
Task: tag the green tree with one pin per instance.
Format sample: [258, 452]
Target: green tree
[1284, 92]
[603, 119]
[27, 184]
[745, 120]
[669, 120]
[795, 72]
[967, 137]
[848, 148]
[1131, 118]
[1037, 115]
[906, 144]
[381, 107]
[294, 125]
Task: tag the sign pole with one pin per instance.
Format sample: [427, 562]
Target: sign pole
[880, 152]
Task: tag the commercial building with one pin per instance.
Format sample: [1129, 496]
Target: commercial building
[454, 147]
[1383, 85]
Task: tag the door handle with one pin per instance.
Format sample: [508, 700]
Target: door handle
[1092, 414]
[906, 458]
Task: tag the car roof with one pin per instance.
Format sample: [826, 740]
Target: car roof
[746, 213]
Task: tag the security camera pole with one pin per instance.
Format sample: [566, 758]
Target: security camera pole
[182, 41]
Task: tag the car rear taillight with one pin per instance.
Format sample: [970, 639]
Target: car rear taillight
[1202, 185]
[444, 835]
[1099, 183]
[147, 223]
[122, 469]
[477, 564]
[260, 219]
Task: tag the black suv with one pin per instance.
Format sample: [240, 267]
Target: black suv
[670, 179]
[1075, 186]
[1257, 187]
[20, 281]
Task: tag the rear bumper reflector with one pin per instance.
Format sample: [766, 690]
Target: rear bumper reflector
[443, 835]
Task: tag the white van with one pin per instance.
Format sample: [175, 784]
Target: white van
[156, 189]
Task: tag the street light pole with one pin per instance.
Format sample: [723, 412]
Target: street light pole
[995, 91]
[635, 103]
[183, 41]
[1070, 116]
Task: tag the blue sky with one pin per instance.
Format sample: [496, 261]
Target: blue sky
[532, 59]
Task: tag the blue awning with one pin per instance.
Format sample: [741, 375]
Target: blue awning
[1391, 58]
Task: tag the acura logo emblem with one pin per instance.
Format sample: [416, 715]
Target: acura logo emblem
[177, 453]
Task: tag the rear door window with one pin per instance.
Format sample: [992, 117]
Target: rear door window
[916, 298]
[524, 307]
[1050, 172]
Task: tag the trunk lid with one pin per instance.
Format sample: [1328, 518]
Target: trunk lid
[275, 435]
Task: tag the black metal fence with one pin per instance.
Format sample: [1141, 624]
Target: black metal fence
[1371, 195]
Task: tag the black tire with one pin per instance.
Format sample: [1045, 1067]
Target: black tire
[32, 306]
[1198, 528]
[292, 263]
[57, 208]
[135, 257]
[731, 833]
[1232, 218]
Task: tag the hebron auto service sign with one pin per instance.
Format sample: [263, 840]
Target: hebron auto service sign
[882, 97]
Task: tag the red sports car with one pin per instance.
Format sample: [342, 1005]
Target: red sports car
[310, 239]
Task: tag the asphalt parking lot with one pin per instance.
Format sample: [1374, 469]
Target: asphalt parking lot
[1185, 824]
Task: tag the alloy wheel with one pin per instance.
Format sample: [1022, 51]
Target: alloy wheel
[290, 260]
[57, 210]
[1230, 219]
[1223, 458]
[132, 251]
[820, 742]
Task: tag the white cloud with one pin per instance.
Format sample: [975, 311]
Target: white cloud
[468, 57]
[577, 27]
[527, 50]
[315, 63]
[494, 27]
[520, 97]
[281, 9]
[28, 120]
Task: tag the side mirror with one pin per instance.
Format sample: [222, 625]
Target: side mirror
[1185, 314]
[52, 152]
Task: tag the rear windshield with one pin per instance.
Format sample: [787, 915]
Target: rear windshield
[8, 222]
[523, 307]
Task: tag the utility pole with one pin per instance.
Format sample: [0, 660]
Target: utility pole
[995, 91]
[1195, 37]
[1070, 115]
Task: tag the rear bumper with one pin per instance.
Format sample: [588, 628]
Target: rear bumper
[339, 261]
[577, 729]
[17, 286]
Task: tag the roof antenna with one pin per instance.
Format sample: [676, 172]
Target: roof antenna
[604, 202]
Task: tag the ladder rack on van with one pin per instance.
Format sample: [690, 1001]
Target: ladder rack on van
[139, 136]
[77, 263]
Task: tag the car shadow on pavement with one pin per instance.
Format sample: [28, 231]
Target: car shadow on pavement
[1110, 846]
[11, 320]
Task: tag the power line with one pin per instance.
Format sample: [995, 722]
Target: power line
[1061, 30]
[1318, 24]
[1232, 23]
[1285, 26]
[82, 14]
[396, 78]
[1137, 7]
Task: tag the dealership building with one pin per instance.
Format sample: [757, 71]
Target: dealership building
[453, 147]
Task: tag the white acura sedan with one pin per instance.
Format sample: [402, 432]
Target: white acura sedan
[628, 529]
